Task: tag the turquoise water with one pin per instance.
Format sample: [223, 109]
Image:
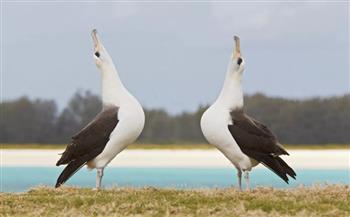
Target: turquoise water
[19, 179]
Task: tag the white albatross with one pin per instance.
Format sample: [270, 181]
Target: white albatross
[242, 139]
[118, 124]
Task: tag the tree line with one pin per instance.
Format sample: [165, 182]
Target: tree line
[309, 121]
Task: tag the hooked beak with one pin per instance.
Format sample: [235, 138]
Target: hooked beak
[95, 40]
[237, 51]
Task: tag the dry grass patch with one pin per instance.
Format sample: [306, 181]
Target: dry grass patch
[331, 200]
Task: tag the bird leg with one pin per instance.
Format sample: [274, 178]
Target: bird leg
[239, 176]
[246, 177]
[99, 178]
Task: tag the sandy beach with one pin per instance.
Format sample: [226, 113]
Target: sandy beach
[299, 159]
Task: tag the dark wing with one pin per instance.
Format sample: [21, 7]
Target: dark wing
[88, 143]
[259, 143]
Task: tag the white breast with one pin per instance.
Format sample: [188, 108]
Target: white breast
[214, 124]
[130, 125]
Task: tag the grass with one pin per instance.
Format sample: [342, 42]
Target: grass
[332, 200]
[172, 146]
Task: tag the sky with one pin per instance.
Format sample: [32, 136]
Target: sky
[174, 55]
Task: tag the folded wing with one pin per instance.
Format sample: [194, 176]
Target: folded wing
[88, 143]
[259, 143]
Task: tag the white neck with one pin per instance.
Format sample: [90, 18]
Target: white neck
[113, 90]
[231, 95]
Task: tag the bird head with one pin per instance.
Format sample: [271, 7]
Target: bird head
[237, 59]
[101, 56]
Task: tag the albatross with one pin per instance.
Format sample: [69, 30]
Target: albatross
[244, 141]
[118, 124]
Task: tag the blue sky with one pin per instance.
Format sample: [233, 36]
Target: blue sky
[174, 55]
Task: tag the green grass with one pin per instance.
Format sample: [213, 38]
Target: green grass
[171, 146]
[333, 200]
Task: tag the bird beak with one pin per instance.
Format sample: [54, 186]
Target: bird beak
[237, 51]
[95, 40]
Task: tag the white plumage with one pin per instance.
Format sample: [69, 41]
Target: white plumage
[244, 141]
[130, 115]
[118, 124]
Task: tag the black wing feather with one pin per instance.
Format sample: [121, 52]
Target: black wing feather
[259, 143]
[88, 143]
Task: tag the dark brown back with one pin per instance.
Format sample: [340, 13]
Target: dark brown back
[94, 136]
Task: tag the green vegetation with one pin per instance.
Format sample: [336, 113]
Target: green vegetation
[309, 121]
[173, 146]
[313, 201]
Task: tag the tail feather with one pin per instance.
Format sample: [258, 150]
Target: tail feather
[275, 167]
[281, 149]
[74, 165]
[66, 156]
[275, 164]
[70, 170]
[286, 167]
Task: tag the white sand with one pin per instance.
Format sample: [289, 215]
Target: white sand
[298, 159]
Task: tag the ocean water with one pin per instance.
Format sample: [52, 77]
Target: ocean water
[20, 179]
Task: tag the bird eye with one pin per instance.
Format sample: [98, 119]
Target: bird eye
[239, 61]
[97, 54]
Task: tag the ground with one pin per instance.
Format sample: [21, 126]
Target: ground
[332, 200]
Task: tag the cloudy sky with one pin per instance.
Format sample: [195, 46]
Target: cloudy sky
[174, 55]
